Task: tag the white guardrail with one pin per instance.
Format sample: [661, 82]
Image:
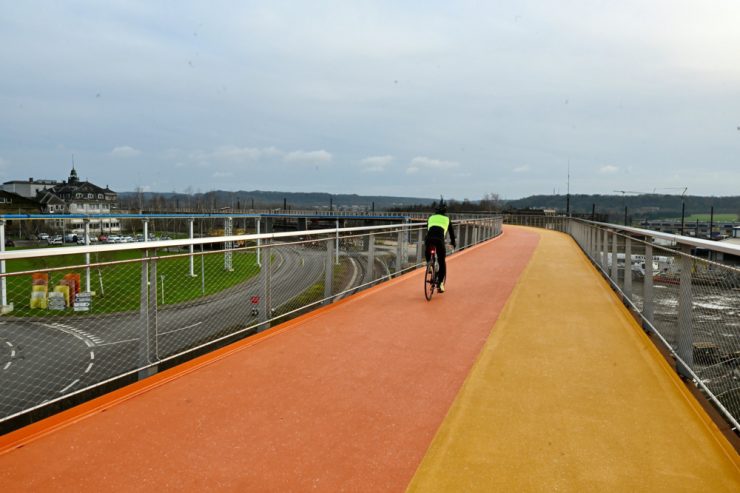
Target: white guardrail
[80, 320]
[686, 291]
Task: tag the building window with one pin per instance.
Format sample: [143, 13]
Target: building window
[79, 195]
[100, 196]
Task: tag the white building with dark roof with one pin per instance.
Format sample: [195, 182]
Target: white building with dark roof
[80, 197]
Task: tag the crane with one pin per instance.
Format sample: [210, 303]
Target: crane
[683, 193]
[630, 191]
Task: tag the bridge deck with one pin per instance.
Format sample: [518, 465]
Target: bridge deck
[527, 375]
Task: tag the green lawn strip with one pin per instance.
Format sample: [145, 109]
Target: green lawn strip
[718, 218]
[340, 276]
[311, 295]
[121, 284]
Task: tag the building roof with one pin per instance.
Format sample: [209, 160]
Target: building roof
[13, 201]
[31, 181]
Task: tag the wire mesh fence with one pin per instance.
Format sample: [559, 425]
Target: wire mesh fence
[79, 317]
[691, 303]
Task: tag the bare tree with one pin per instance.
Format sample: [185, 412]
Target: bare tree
[491, 202]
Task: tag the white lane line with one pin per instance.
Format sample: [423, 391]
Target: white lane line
[88, 368]
[181, 328]
[69, 331]
[7, 365]
[118, 342]
[69, 386]
[12, 353]
[92, 355]
[9, 343]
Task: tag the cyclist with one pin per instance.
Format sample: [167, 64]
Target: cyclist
[438, 225]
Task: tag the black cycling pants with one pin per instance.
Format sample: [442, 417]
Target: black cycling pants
[441, 253]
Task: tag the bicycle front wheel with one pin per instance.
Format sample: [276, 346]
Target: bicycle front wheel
[429, 277]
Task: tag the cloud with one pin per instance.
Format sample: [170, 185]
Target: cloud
[521, 169]
[376, 164]
[124, 151]
[235, 153]
[222, 174]
[421, 163]
[608, 169]
[311, 157]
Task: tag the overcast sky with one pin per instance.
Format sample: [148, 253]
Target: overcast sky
[416, 98]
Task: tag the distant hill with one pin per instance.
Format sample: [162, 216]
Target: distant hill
[260, 199]
[648, 206]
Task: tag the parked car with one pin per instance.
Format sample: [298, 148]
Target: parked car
[9, 243]
[55, 240]
[43, 236]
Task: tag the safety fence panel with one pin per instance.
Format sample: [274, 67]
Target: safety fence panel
[75, 318]
[691, 303]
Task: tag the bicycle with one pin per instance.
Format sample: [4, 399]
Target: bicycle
[430, 277]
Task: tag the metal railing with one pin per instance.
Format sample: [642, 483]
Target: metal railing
[83, 318]
[691, 303]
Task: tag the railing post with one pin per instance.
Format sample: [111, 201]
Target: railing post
[192, 247]
[5, 308]
[685, 328]
[329, 271]
[647, 286]
[266, 281]
[153, 308]
[594, 241]
[337, 244]
[604, 249]
[371, 258]
[628, 268]
[615, 271]
[259, 242]
[228, 246]
[86, 222]
[147, 316]
[143, 315]
[399, 252]
[419, 242]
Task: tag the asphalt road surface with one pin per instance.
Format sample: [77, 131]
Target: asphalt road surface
[45, 358]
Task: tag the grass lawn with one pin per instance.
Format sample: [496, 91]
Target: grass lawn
[118, 287]
[718, 218]
[316, 291]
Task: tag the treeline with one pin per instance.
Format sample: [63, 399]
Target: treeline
[646, 206]
[489, 203]
[258, 199]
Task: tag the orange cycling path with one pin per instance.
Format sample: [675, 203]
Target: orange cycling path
[559, 390]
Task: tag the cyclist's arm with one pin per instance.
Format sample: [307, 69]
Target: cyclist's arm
[451, 230]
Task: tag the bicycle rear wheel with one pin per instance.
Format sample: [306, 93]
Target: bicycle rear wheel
[429, 278]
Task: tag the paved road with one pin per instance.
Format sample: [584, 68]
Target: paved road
[43, 359]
